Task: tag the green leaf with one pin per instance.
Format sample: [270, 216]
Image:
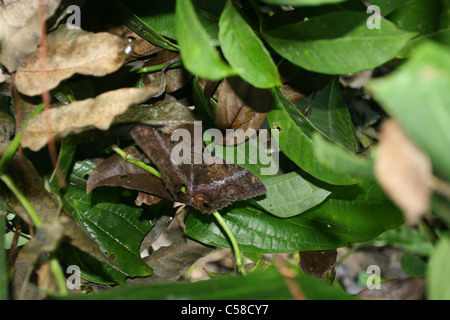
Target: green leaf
[429, 18]
[3, 273]
[388, 6]
[407, 238]
[330, 115]
[350, 215]
[245, 51]
[437, 271]
[413, 265]
[417, 97]
[337, 43]
[65, 157]
[290, 194]
[252, 155]
[202, 105]
[118, 228]
[295, 140]
[342, 161]
[160, 16]
[197, 53]
[135, 23]
[301, 2]
[256, 286]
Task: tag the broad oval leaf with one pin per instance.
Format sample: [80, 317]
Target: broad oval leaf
[118, 228]
[256, 286]
[245, 51]
[337, 43]
[295, 140]
[198, 54]
[334, 223]
[329, 113]
[290, 194]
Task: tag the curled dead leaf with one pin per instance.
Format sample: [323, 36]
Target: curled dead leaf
[89, 54]
[18, 12]
[56, 224]
[164, 114]
[78, 116]
[22, 29]
[403, 171]
[170, 263]
[141, 47]
[114, 171]
[319, 263]
[240, 106]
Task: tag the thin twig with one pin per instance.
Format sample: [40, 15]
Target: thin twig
[46, 99]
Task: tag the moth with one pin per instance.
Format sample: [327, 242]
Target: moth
[205, 186]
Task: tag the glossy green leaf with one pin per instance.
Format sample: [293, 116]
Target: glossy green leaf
[135, 23]
[197, 53]
[253, 154]
[117, 227]
[341, 160]
[290, 194]
[268, 285]
[203, 106]
[387, 6]
[430, 19]
[245, 51]
[329, 113]
[295, 140]
[160, 16]
[417, 96]
[348, 46]
[437, 272]
[358, 214]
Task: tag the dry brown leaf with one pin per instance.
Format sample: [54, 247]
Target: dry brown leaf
[141, 47]
[170, 263]
[403, 171]
[23, 32]
[17, 12]
[114, 171]
[55, 224]
[92, 54]
[240, 106]
[78, 116]
[319, 263]
[164, 114]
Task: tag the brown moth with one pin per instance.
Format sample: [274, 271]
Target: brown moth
[207, 186]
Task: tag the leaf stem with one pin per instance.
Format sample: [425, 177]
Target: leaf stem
[234, 244]
[22, 199]
[129, 158]
[158, 67]
[15, 143]
[57, 271]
